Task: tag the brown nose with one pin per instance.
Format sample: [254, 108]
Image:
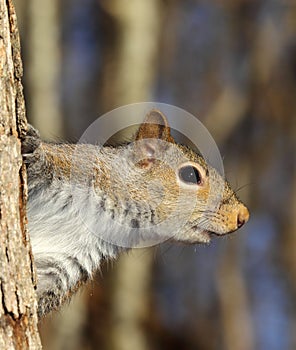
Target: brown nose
[242, 216]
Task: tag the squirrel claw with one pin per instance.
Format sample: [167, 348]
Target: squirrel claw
[30, 142]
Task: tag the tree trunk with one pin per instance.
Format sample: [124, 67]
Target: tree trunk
[18, 318]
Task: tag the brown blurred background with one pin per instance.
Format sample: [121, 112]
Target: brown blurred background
[232, 64]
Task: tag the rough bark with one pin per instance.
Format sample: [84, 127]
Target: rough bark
[18, 319]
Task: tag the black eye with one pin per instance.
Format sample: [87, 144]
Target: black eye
[189, 174]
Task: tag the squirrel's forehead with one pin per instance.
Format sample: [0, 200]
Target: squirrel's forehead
[192, 156]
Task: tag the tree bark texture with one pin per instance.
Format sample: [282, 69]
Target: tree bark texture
[18, 318]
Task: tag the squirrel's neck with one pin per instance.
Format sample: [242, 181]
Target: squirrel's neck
[79, 212]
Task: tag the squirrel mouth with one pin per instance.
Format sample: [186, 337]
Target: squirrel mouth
[209, 234]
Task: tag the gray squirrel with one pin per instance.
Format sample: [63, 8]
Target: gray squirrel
[118, 196]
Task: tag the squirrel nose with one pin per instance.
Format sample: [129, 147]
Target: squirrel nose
[242, 216]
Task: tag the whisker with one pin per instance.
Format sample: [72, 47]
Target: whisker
[243, 186]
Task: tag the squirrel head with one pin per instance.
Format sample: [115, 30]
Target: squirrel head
[170, 188]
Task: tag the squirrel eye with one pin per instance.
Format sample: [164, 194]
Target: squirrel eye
[189, 174]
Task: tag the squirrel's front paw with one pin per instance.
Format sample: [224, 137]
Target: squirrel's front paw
[30, 142]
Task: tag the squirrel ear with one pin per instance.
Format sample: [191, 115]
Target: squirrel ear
[155, 126]
[152, 136]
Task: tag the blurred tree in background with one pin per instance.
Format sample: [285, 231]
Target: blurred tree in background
[233, 65]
